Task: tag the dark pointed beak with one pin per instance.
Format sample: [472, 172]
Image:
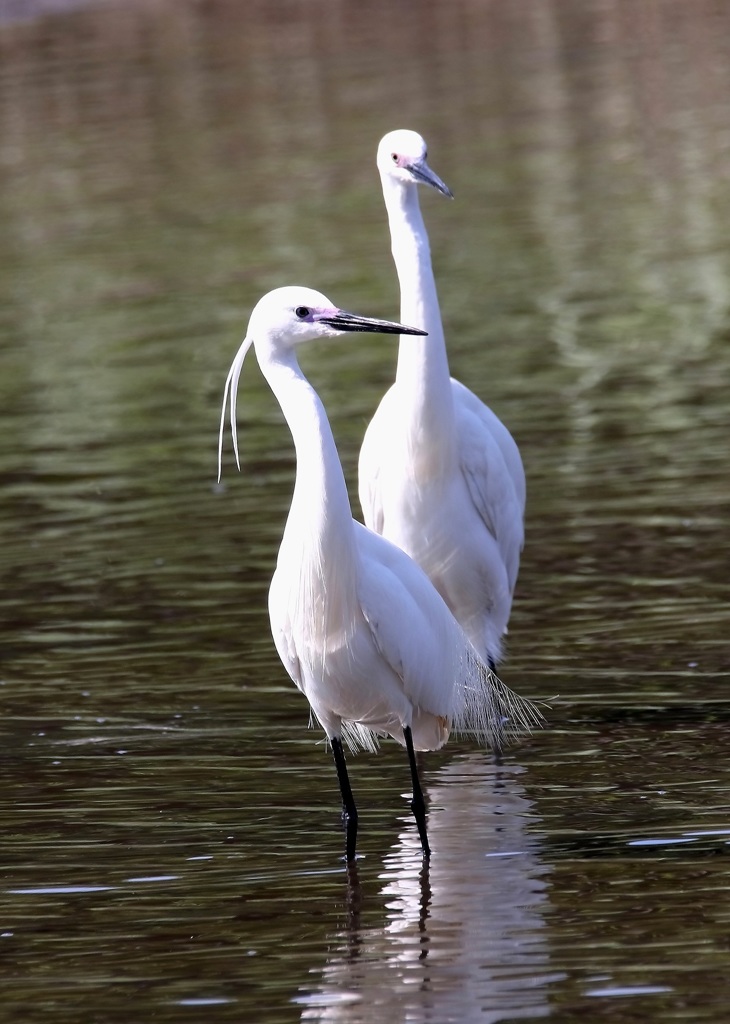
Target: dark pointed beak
[344, 321]
[423, 173]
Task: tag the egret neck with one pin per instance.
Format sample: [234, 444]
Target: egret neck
[319, 540]
[422, 376]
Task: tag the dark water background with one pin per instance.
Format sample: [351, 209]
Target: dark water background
[171, 827]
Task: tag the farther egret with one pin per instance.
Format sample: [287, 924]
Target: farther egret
[440, 474]
[357, 624]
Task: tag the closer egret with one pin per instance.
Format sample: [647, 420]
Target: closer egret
[439, 473]
[357, 624]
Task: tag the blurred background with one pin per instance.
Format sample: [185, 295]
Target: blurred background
[171, 826]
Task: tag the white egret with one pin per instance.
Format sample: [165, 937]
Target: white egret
[439, 474]
[357, 624]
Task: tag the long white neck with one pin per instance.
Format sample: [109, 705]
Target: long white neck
[319, 537]
[423, 366]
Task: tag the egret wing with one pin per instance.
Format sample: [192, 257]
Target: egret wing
[422, 642]
[490, 481]
[411, 626]
[466, 400]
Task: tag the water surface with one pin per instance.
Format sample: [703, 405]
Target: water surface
[172, 842]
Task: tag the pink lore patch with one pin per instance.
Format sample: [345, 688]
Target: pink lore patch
[321, 312]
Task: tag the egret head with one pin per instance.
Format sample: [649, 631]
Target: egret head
[286, 317]
[402, 158]
[283, 319]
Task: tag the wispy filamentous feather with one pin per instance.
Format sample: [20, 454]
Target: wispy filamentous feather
[356, 736]
[231, 389]
[490, 711]
[359, 737]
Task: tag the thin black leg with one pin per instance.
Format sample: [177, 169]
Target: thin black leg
[349, 810]
[496, 749]
[418, 804]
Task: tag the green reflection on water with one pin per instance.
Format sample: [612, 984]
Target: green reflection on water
[163, 166]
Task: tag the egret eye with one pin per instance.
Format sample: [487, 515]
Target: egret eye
[302, 312]
[394, 157]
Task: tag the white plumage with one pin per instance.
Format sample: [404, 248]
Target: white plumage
[439, 474]
[357, 624]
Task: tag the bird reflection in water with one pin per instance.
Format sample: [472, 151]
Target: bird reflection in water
[463, 938]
